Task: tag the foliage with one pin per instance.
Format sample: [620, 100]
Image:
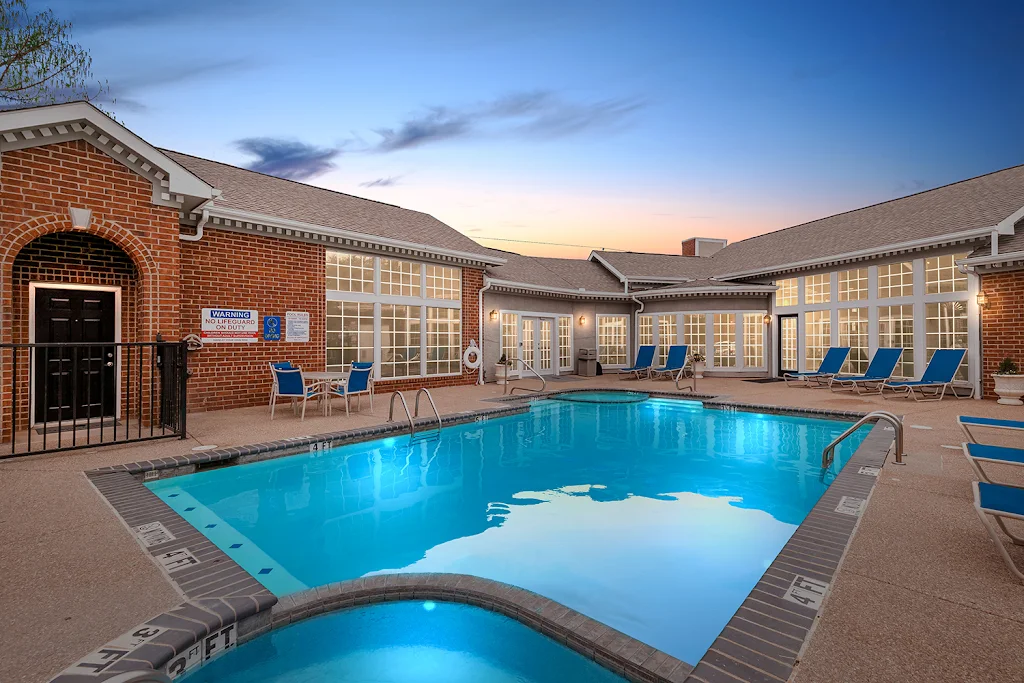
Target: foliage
[1008, 367]
[697, 357]
[503, 360]
[39, 62]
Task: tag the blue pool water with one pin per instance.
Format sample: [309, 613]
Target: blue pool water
[656, 518]
[404, 642]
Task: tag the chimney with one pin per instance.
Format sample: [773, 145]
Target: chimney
[703, 246]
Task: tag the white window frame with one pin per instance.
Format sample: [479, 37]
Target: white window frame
[709, 336]
[629, 337]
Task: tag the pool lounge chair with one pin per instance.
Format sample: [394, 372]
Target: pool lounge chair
[879, 370]
[829, 367]
[675, 364]
[644, 361]
[978, 453]
[937, 377]
[1000, 502]
[288, 383]
[966, 422]
[359, 382]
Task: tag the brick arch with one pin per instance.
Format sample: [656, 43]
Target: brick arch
[19, 237]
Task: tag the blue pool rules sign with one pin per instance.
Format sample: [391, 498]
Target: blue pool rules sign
[271, 328]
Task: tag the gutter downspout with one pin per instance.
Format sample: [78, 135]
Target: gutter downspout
[199, 226]
[636, 320]
[480, 307]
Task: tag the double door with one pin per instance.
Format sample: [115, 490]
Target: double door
[537, 343]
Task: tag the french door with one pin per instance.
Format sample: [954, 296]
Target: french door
[536, 343]
[788, 335]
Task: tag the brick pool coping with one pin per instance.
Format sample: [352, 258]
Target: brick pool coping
[762, 642]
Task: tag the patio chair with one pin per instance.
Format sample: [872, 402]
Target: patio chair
[644, 361]
[284, 365]
[937, 377]
[829, 367]
[675, 363]
[1000, 502]
[978, 453]
[360, 381]
[966, 422]
[881, 367]
[288, 383]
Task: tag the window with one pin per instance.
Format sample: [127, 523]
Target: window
[444, 341]
[896, 279]
[644, 330]
[399, 278]
[753, 340]
[612, 340]
[817, 337]
[946, 328]
[399, 340]
[526, 353]
[666, 336]
[788, 292]
[942, 276]
[725, 340]
[510, 335]
[565, 342]
[853, 284]
[349, 272]
[896, 329]
[544, 345]
[818, 289]
[694, 333]
[444, 283]
[853, 332]
[349, 333]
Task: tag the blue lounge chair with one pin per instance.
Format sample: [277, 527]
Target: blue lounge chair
[359, 382]
[937, 377]
[830, 366]
[966, 422]
[675, 364]
[978, 453]
[644, 361]
[288, 383]
[879, 370]
[1000, 502]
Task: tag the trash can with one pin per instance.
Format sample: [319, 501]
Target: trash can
[586, 363]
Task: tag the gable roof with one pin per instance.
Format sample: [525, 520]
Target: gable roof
[249, 193]
[557, 273]
[643, 267]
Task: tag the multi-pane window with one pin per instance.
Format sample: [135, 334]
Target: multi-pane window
[725, 340]
[818, 289]
[444, 340]
[896, 330]
[817, 337]
[544, 345]
[853, 332]
[853, 284]
[695, 333]
[895, 279]
[526, 352]
[666, 336]
[565, 342]
[349, 333]
[399, 340]
[946, 328]
[510, 335]
[399, 278]
[444, 282]
[349, 272]
[753, 340]
[941, 275]
[612, 339]
[644, 330]
[788, 292]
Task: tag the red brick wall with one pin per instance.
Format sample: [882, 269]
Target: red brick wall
[690, 247]
[1002, 324]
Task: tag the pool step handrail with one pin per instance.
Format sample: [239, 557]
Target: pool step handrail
[408, 415]
[433, 406]
[829, 454]
[543, 382]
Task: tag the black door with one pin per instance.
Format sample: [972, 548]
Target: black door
[76, 381]
[787, 344]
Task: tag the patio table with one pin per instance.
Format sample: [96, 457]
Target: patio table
[329, 377]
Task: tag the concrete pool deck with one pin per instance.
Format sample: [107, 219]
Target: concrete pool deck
[921, 595]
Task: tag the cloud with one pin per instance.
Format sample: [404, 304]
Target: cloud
[382, 182]
[289, 159]
[531, 114]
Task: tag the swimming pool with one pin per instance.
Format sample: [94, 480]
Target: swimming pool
[656, 518]
[405, 642]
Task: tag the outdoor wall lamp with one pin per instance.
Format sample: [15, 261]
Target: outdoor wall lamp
[494, 315]
[767, 318]
[982, 300]
[583, 320]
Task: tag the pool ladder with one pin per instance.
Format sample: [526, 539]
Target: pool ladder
[829, 454]
[433, 433]
[508, 381]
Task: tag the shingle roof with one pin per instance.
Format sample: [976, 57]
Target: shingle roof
[638, 265]
[561, 273]
[246, 190]
[971, 204]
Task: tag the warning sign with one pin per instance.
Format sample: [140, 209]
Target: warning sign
[229, 325]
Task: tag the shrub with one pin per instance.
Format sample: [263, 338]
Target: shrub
[1008, 367]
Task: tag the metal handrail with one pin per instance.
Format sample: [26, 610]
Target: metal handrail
[829, 454]
[416, 408]
[543, 382]
[391, 411]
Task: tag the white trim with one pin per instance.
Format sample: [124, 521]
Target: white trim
[993, 260]
[594, 256]
[629, 337]
[116, 289]
[667, 292]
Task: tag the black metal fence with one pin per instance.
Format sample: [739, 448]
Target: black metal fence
[58, 397]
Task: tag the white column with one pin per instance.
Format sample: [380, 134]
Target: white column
[920, 355]
[377, 354]
[974, 369]
[872, 304]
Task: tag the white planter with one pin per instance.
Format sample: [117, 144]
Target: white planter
[1010, 389]
[698, 369]
[501, 373]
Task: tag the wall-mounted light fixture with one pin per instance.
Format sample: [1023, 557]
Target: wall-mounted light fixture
[583, 320]
[982, 300]
[767, 318]
[494, 315]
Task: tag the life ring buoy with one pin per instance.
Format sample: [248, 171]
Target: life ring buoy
[472, 358]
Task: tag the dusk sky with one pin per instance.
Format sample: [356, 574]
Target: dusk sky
[627, 125]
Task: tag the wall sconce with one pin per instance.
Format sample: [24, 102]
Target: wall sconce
[583, 320]
[494, 315]
[982, 300]
[767, 319]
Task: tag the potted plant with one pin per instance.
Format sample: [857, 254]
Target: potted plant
[1009, 383]
[501, 369]
[698, 365]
